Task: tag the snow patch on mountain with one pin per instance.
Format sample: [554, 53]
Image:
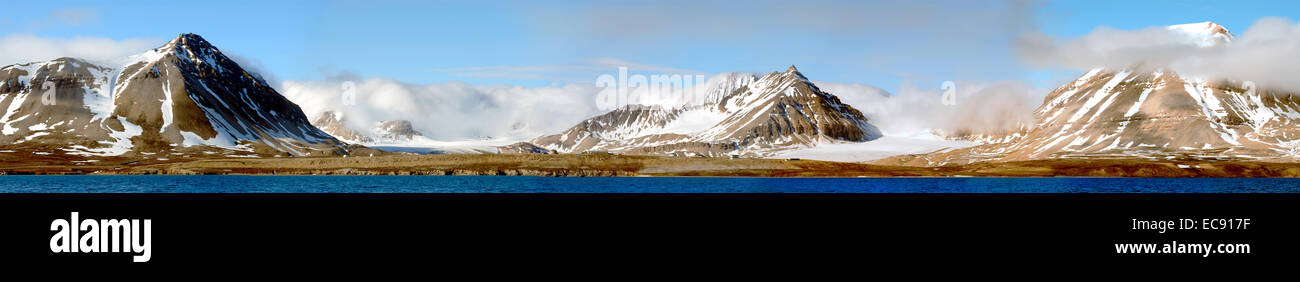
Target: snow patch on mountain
[1205, 34]
[121, 143]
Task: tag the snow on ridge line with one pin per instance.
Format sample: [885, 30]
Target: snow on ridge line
[1104, 92]
[1207, 34]
[107, 84]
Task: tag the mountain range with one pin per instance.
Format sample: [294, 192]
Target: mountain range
[741, 115]
[187, 98]
[385, 132]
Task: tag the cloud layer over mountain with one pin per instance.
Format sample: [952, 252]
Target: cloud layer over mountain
[914, 110]
[452, 110]
[1266, 52]
[26, 48]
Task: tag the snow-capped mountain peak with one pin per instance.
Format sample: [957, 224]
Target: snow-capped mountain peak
[1149, 114]
[397, 131]
[391, 132]
[757, 116]
[333, 123]
[795, 72]
[718, 87]
[183, 94]
[1205, 34]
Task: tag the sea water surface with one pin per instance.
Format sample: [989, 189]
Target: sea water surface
[528, 184]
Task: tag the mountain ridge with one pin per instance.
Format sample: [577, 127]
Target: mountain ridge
[184, 97]
[1148, 113]
[742, 115]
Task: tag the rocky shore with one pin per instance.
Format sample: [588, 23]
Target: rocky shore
[602, 165]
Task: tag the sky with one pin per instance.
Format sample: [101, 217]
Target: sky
[487, 50]
[880, 43]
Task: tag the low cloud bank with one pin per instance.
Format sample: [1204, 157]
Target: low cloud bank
[459, 111]
[1268, 52]
[26, 48]
[452, 110]
[981, 107]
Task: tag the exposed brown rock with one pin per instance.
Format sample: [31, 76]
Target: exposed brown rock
[333, 123]
[778, 111]
[1147, 114]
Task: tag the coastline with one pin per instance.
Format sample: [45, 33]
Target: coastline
[591, 165]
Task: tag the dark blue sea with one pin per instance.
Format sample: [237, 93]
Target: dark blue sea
[526, 184]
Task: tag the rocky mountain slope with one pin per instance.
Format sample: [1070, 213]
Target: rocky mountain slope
[1151, 113]
[741, 115]
[396, 131]
[185, 97]
[386, 132]
[332, 123]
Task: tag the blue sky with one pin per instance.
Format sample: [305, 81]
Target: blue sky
[880, 43]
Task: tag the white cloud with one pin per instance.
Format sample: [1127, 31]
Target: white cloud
[74, 16]
[459, 111]
[61, 18]
[1268, 52]
[988, 107]
[453, 110]
[606, 23]
[456, 110]
[577, 73]
[25, 48]
[936, 38]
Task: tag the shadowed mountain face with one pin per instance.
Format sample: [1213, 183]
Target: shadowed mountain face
[183, 95]
[753, 116]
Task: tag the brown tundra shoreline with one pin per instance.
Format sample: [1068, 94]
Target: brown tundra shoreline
[585, 165]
